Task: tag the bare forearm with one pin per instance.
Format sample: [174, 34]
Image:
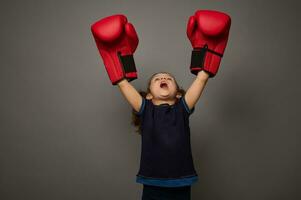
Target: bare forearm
[195, 90]
[131, 94]
[202, 76]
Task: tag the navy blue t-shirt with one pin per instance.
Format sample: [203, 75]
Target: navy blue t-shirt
[166, 158]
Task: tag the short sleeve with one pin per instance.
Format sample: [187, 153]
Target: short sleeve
[142, 107]
[183, 102]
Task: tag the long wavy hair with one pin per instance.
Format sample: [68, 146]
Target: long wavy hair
[135, 119]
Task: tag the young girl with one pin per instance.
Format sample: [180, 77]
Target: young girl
[162, 115]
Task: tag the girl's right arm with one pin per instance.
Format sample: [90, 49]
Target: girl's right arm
[131, 94]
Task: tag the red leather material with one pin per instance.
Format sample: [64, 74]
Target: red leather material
[115, 37]
[211, 28]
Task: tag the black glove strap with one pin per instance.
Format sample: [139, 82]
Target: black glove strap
[198, 58]
[128, 64]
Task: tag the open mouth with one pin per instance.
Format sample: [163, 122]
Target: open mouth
[163, 85]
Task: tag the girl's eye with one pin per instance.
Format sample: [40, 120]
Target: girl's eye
[159, 79]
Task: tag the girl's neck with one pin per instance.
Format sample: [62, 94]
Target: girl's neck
[160, 101]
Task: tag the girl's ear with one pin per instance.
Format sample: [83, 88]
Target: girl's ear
[149, 96]
[179, 95]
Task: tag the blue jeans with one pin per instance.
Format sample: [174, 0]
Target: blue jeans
[166, 193]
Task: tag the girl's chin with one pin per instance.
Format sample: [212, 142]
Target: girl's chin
[165, 96]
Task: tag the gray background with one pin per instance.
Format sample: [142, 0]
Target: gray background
[65, 131]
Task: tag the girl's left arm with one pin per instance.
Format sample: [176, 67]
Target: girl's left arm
[196, 88]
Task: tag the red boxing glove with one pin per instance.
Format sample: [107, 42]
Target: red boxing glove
[116, 40]
[208, 33]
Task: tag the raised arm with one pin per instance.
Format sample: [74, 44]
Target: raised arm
[208, 32]
[131, 94]
[196, 88]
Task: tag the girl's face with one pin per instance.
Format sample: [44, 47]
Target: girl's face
[163, 86]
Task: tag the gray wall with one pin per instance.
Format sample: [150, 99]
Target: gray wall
[65, 131]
